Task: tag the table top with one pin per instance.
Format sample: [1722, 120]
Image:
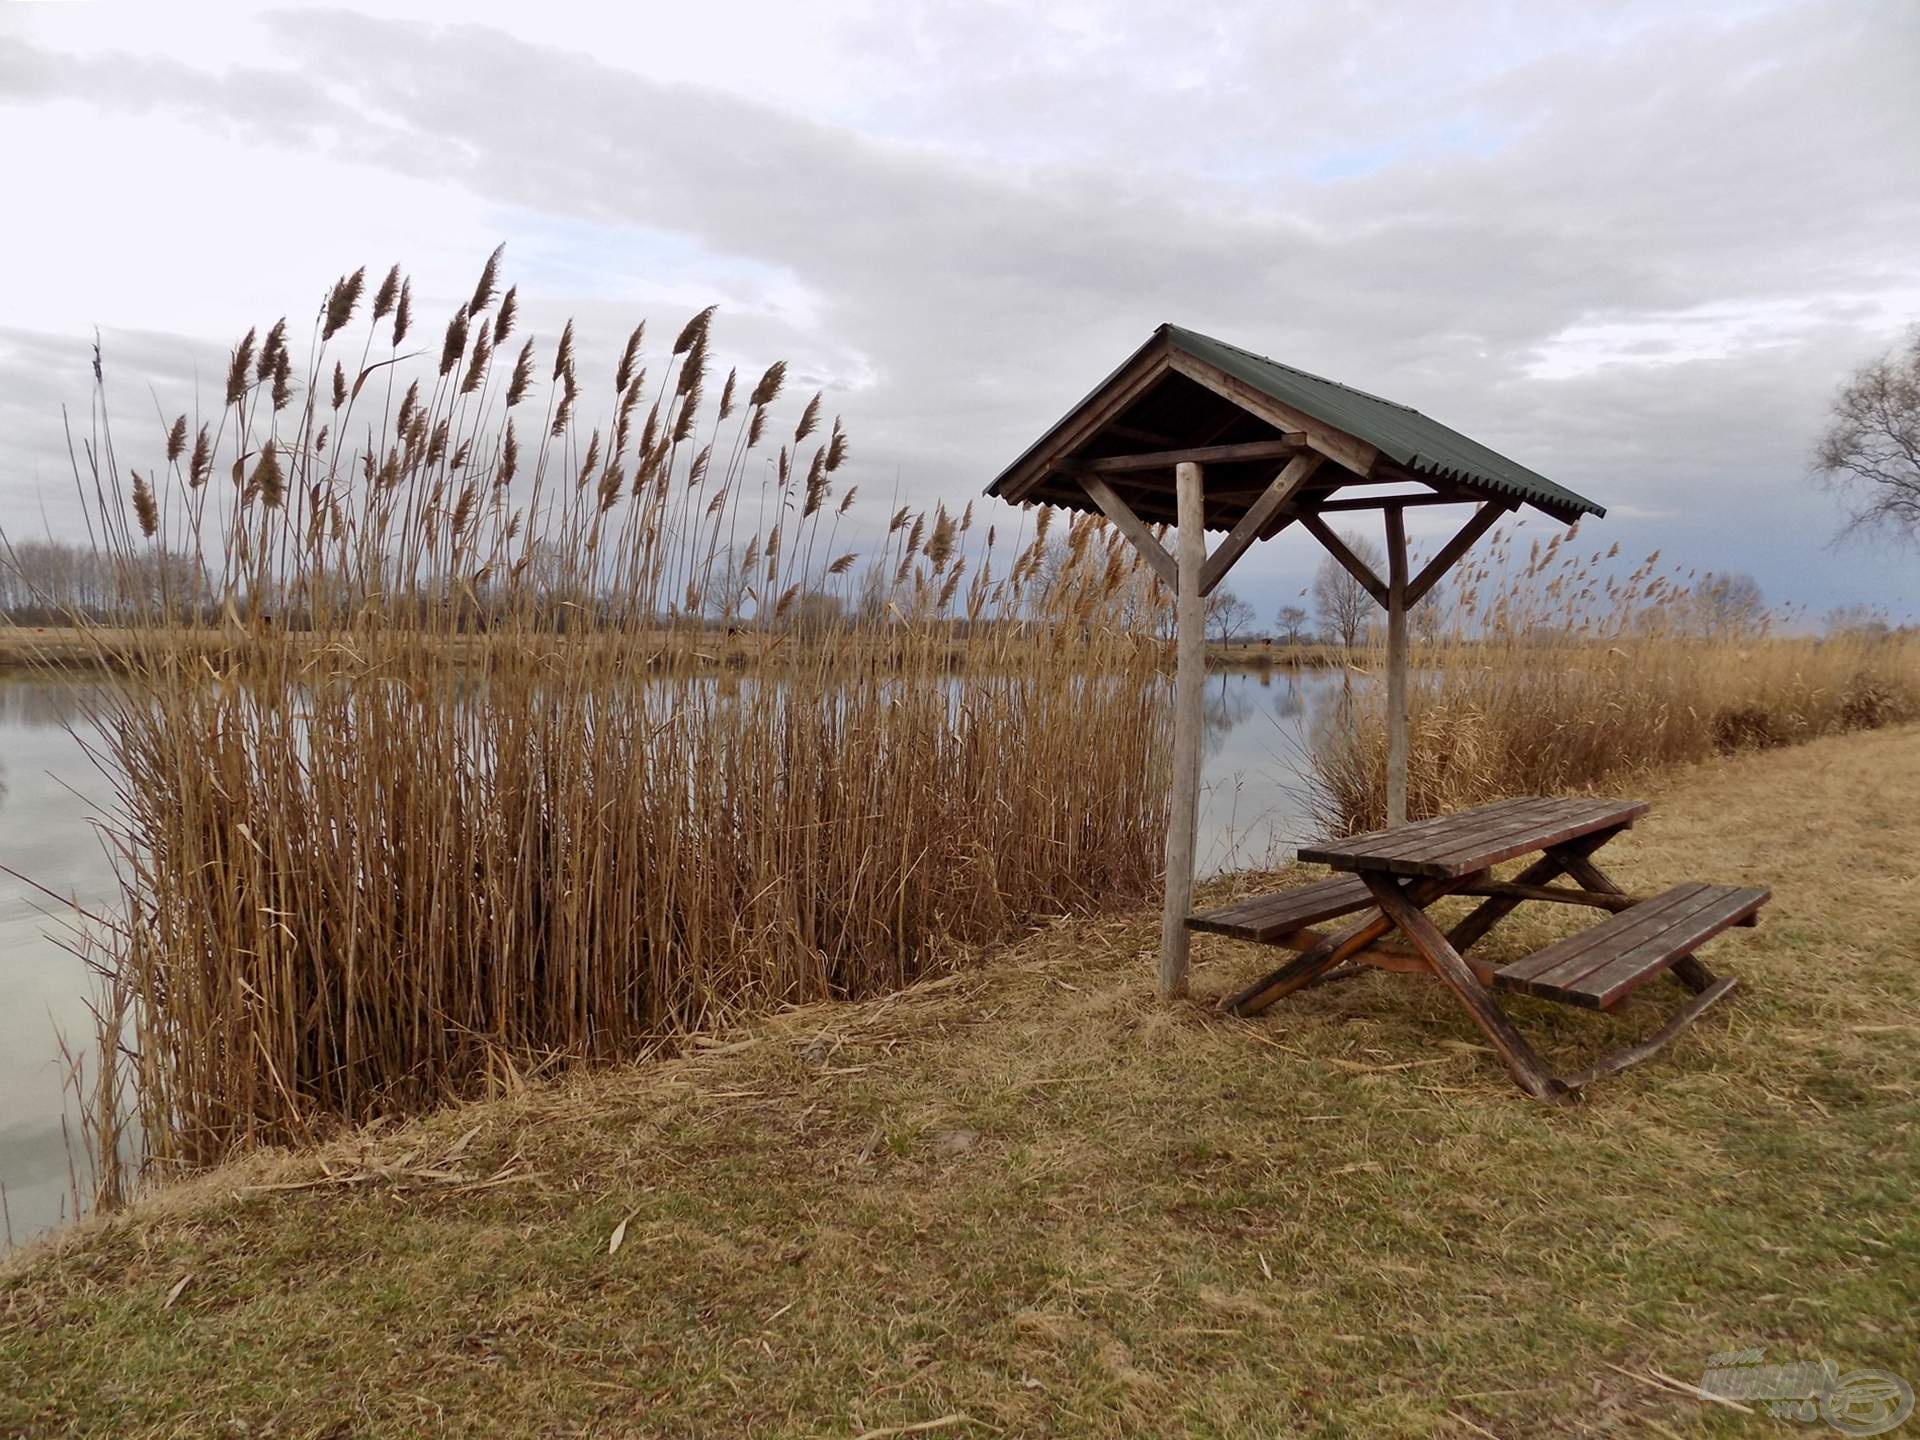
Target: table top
[1450, 846]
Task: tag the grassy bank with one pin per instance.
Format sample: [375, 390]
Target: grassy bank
[1028, 1199]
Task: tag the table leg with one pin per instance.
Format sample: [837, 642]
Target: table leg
[1310, 965]
[1556, 862]
[1404, 910]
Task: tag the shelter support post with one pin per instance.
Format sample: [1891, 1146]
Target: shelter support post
[1396, 666]
[1189, 682]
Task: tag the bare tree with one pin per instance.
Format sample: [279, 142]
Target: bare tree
[1728, 604]
[1293, 623]
[1345, 607]
[1227, 614]
[1871, 454]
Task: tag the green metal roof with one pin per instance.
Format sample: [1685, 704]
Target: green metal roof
[1397, 431]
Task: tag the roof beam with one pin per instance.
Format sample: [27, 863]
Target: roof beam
[1378, 502]
[1482, 521]
[1278, 449]
[1349, 561]
[1285, 487]
[1131, 526]
[1338, 446]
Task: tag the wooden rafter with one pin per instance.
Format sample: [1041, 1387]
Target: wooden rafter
[1131, 526]
[1285, 487]
[1338, 446]
[1276, 449]
[1349, 561]
[1469, 534]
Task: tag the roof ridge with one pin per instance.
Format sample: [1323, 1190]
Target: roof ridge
[1296, 370]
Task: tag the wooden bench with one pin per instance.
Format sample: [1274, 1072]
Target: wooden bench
[1264, 919]
[1602, 965]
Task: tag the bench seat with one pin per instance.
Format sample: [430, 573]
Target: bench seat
[1602, 965]
[1270, 917]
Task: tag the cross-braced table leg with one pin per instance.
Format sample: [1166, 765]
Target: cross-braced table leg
[1403, 908]
[1313, 963]
[1558, 861]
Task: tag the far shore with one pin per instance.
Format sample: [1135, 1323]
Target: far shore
[68, 649]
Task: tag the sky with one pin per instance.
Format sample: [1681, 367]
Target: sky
[1635, 246]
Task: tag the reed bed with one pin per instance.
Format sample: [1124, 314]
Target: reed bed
[425, 773]
[1549, 672]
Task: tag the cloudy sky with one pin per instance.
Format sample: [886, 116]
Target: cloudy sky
[1634, 246]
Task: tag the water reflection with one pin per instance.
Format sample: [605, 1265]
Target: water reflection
[1253, 811]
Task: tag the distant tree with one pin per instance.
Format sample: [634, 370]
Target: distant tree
[1728, 604]
[1345, 607]
[1293, 623]
[1871, 453]
[1855, 620]
[1227, 614]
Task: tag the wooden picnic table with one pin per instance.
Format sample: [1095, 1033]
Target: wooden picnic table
[1397, 874]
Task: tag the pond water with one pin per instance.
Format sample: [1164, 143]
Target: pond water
[1254, 811]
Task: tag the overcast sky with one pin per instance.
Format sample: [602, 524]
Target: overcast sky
[1634, 246]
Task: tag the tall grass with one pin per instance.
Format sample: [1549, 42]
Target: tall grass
[1546, 673]
[476, 735]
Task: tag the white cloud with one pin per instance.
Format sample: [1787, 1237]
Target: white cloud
[1635, 245]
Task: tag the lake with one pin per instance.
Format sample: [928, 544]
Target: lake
[1253, 812]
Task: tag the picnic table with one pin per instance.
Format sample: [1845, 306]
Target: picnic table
[1396, 875]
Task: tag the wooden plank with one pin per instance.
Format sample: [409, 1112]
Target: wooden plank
[1310, 964]
[1441, 831]
[1286, 485]
[1131, 526]
[1619, 1060]
[1556, 894]
[1375, 502]
[1430, 574]
[1449, 858]
[1606, 987]
[1396, 666]
[1349, 562]
[1568, 959]
[1533, 831]
[1280, 449]
[1602, 965]
[1264, 918]
[1338, 446]
[1190, 678]
[1524, 1065]
[1370, 840]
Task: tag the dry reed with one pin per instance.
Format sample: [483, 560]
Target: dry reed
[424, 777]
[1548, 672]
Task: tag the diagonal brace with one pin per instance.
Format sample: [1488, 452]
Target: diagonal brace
[1131, 526]
[1286, 485]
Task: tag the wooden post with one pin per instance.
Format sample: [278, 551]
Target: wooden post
[1189, 681]
[1396, 666]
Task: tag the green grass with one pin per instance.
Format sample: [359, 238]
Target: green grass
[1030, 1196]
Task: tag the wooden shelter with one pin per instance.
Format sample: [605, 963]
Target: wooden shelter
[1201, 435]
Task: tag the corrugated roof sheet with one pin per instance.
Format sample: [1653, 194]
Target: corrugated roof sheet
[1397, 431]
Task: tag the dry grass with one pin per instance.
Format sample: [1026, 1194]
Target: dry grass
[1545, 674]
[1028, 1195]
[423, 777]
